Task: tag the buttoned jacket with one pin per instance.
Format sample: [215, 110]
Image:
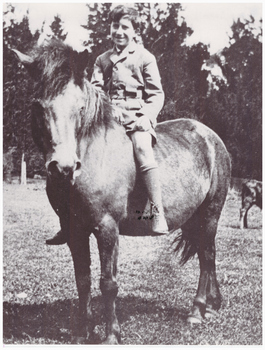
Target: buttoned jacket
[132, 75]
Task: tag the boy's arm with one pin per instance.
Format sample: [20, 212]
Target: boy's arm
[153, 94]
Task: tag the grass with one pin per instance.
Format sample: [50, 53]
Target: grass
[155, 292]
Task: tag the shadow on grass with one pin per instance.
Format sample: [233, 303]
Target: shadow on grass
[251, 227]
[53, 323]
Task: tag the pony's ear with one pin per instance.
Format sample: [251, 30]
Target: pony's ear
[83, 59]
[25, 59]
[28, 63]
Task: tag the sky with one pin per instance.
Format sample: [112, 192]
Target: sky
[211, 21]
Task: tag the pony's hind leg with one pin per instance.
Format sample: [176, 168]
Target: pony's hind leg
[79, 246]
[108, 243]
[207, 258]
[198, 236]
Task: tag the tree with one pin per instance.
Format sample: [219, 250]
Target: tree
[235, 111]
[98, 28]
[183, 80]
[57, 28]
[17, 91]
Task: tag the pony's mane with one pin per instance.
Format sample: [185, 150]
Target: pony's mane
[55, 64]
[98, 111]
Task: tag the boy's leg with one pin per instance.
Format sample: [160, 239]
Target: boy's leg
[60, 206]
[150, 174]
[59, 238]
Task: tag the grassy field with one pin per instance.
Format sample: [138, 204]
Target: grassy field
[155, 294]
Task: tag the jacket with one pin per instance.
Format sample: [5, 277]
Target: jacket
[131, 75]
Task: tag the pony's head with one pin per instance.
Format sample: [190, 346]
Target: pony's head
[67, 107]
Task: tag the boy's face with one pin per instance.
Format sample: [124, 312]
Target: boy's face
[122, 32]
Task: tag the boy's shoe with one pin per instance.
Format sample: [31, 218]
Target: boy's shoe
[59, 238]
[159, 224]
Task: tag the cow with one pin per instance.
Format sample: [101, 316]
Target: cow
[251, 195]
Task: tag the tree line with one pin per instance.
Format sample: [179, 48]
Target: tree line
[231, 106]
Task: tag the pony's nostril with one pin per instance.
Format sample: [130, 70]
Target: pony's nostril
[78, 165]
[66, 171]
[56, 170]
[53, 168]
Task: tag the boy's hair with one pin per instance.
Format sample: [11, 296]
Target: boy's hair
[123, 11]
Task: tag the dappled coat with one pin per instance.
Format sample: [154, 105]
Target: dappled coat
[132, 76]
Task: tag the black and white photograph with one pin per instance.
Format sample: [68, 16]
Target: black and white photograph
[132, 174]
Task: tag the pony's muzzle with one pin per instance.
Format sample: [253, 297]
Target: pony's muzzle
[64, 172]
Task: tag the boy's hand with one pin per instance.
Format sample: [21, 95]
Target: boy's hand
[143, 123]
[118, 114]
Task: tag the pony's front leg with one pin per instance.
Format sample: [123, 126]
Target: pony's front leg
[242, 218]
[246, 219]
[108, 244]
[79, 246]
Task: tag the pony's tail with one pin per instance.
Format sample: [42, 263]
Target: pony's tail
[187, 244]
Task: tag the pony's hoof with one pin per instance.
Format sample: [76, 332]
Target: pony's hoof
[210, 314]
[191, 320]
[111, 340]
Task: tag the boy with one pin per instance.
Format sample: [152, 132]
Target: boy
[129, 74]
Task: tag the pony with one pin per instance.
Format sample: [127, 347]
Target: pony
[251, 195]
[93, 182]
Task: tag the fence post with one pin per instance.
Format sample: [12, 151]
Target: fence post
[23, 177]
